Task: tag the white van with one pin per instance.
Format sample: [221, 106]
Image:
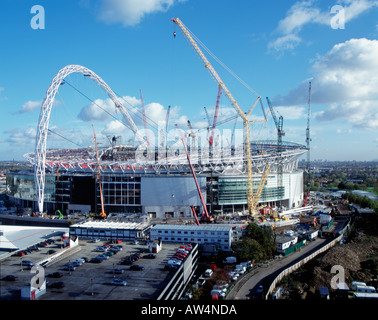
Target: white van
[354, 285]
[208, 272]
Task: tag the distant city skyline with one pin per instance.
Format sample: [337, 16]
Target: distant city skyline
[276, 47]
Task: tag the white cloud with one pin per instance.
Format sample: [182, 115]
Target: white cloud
[346, 79]
[30, 106]
[18, 137]
[291, 112]
[103, 110]
[305, 12]
[131, 12]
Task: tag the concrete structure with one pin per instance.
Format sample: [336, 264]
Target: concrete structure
[219, 235]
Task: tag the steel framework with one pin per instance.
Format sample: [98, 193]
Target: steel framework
[44, 118]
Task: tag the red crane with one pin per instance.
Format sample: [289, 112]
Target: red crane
[206, 216]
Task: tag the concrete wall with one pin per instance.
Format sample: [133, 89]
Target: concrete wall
[171, 194]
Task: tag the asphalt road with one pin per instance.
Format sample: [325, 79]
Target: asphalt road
[246, 287]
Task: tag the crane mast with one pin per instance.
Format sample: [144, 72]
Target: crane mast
[211, 139]
[308, 140]
[234, 103]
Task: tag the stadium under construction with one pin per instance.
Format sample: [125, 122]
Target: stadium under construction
[159, 189]
[187, 178]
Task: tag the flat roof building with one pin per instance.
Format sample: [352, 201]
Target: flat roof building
[220, 235]
[110, 230]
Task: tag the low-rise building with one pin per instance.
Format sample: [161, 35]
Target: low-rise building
[219, 235]
[110, 230]
[283, 242]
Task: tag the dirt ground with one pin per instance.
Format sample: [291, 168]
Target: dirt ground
[358, 256]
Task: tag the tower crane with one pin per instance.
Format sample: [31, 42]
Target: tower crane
[211, 138]
[280, 133]
[236, 106]
[207, 117]
[308, 140]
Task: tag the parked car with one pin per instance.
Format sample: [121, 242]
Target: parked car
[51, 251]
[55, 275]
[118, 282]
[95, 260]
[26, 263]
[136, 256]
[136, 268]
[69, 268]
[19, 254]
[150, 256]
[59, 284]
[9, 278]
[117, 271]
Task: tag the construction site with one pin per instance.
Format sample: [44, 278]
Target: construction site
[194, 178]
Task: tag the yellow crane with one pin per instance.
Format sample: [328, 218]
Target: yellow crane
[236, 106]
[102, 214]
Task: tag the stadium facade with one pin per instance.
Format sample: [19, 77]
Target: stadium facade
[160, 187]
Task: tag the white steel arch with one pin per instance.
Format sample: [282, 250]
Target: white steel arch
[44, 117]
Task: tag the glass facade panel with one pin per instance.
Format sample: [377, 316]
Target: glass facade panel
[234, 191]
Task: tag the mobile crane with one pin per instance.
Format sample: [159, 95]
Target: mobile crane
[102, 214]
[205, 217]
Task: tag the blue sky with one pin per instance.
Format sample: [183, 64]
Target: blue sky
[276, 47]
